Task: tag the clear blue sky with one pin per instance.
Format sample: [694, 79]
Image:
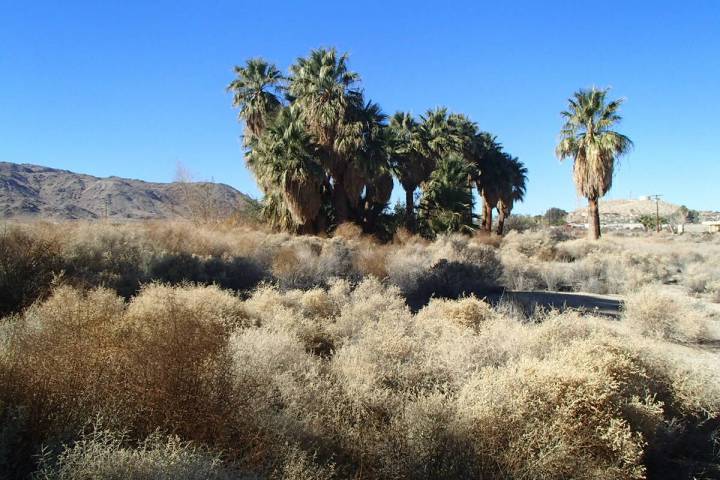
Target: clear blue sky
[130, 88]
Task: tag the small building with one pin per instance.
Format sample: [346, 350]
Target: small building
[712, 227]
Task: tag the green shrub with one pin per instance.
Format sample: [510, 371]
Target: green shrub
[555, 216]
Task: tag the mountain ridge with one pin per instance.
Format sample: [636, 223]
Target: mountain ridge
[36, 191]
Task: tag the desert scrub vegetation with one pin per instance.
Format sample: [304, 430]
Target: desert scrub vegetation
[104, 454]
[553, 259]
[345, 381]
[123, 257]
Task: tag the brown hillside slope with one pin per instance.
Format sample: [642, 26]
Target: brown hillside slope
[28, 191]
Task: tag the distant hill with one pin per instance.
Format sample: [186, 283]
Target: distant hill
[28, 191]
[627, 211]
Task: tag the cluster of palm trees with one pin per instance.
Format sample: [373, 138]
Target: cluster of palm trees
[324, 155]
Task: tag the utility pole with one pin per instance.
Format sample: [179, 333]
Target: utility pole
[657, 212]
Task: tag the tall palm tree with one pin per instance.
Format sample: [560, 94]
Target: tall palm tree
[437, 139]
[513, 190]
[371, 192]
[370, 158]
[589, 139]
[323, 88]
[465, 135]
[255, 92]
[406, 160]
[489, 174]
[284, 163]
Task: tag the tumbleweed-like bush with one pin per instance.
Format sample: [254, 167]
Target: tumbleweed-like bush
[356, 368]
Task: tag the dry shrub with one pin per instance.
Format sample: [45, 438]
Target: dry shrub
[160, 362]
[397, 396]
[348, 231]
[656, 312]
[713, 289]
[583, 266]
[178, 237]
[28, 263]
[488, 239]
[235, 273]
[57, 363]
[540, 244]
[367, 305]
[311, 262]
[450, 267]
[300, 465]
[207, 304]
[339, 379]
[467, 312]
[702, 277]
[561, 417]
[176, 347]
[684, 376]
[404, 236]
[521, 273]
[103, 454]
[576, 249]
[371, 259]
[112, 256]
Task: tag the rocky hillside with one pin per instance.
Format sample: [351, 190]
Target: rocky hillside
[627, 211]
[28, 191]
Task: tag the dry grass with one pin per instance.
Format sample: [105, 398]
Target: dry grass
[326, 372]
[655, 311]
[104, 454]
[615, 264]
[338, 381]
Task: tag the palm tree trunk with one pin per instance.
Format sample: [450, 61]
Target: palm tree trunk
[501, 222]
[487, 216]
[469, 213]
[409, 210]
[340, 202]
[321, 223]
[593, 219]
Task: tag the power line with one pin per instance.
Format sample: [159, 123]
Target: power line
[657, 211]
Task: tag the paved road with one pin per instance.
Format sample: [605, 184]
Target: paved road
[609, 305]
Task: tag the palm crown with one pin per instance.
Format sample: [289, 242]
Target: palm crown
[587, 137]
[255, 91]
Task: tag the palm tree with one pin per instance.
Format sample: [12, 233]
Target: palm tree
[406, 161]
[446, 199]
[322, 87]
[489, 174]
[284, 162]
[587, 137]
[255, 92]
[513, 190]
[465, 136]
[370, 187]
[437, 136]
